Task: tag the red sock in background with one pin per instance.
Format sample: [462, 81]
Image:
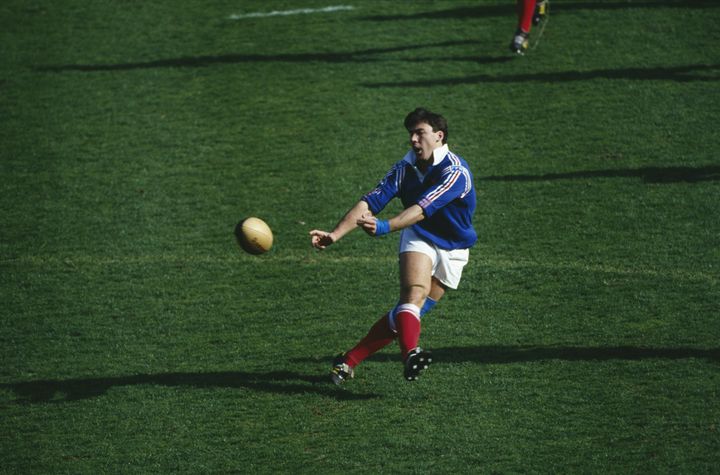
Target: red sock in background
[407, 320]
[379, 336]
[526, 10]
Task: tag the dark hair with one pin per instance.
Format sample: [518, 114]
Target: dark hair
[420, 115]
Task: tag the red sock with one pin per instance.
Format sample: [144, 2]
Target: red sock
[408, 325]
[526, 10]
[379, 336]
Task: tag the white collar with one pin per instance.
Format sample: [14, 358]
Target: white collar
[438, 155]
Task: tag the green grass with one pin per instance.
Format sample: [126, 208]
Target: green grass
[136, 337]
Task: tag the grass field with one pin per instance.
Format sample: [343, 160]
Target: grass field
[135, 337]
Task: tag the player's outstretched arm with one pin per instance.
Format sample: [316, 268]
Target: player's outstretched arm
[322, 239]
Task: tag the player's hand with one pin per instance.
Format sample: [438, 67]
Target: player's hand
[321, 239]
[368, 223]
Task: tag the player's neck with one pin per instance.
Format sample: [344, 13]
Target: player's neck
[424, 164]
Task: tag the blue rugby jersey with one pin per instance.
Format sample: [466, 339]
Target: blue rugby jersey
[445, 193]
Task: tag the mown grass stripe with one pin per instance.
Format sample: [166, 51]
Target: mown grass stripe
[298, 11]
[484, 262]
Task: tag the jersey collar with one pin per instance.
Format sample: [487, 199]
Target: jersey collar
[438, 155]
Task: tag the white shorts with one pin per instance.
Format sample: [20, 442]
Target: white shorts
[447, 266]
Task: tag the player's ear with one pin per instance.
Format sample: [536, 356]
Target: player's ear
[441, 136]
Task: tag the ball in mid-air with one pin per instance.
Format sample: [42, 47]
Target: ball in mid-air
[254, 235]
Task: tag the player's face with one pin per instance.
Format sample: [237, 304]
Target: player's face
[424, 140]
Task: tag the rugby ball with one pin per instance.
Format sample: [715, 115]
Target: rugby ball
[254, 235]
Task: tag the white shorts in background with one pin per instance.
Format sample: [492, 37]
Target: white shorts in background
[447, 265]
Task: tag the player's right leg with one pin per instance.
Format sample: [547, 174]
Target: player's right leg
[341, 371]
[542, 9]
[379, 336]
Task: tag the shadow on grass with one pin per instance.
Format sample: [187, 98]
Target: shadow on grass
[517, 354]
[528, 354]
[508, 9]
[647, 174]
[279, 382]
[289, 383]
[687, 73]
[360, 56]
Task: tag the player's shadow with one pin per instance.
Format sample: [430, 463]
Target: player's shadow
[498, 354]
[647, 174]
[360, 56]
[508, 9]
[686, 73]
[522, 354]
[279, 382]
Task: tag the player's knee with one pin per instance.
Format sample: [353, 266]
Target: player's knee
[415, 294]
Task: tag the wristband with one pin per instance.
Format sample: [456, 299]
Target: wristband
[381, 227]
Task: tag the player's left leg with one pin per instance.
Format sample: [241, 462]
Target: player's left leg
[447, 272]
[415, 285]
[526, 12]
